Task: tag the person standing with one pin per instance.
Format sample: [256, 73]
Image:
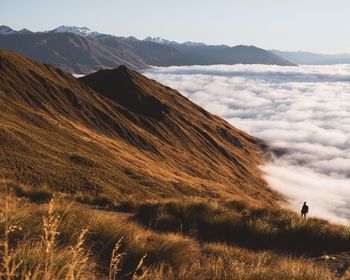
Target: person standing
[304, 210]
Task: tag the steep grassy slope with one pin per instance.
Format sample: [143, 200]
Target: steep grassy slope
[134, 138]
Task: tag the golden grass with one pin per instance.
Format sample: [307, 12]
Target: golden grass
[239, 223]
[222, 262]
[65, 240]
[55, 130]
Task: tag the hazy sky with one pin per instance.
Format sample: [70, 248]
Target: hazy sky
[313, 25]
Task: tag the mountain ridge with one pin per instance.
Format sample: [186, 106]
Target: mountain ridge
[82, 51]
[311, 58]
[71, 135]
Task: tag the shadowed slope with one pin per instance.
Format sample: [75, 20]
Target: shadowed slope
[72, 52]
[140, 139]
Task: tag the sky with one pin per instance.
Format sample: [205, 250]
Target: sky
[308, 25]
[300, 110]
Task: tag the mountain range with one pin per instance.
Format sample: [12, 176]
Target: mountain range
[309, 58]
[82, 51]
[119, 133]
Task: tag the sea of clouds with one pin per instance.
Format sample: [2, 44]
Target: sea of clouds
[303, 111]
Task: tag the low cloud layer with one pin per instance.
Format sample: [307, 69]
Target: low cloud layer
[305, 111]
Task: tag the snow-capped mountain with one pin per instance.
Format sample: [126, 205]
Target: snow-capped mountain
[24, 31]
[5, 30]
[194, 44]
[61, 45]
[162, 41]
[82, 31]
[130, 39]
[159, 40]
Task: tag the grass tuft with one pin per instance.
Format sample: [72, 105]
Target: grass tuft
[101, 200]
[40, 195]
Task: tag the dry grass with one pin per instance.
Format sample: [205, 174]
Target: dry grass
[238, 223]
[76, 242]
[55, 130]
[41, 257]
[222, 262]
[39, 194]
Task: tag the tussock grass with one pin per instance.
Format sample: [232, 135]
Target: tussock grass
[66, 240]
[222, 262]
[129, 205]
[74, 241]
[258, 228]
[40, 194]
[106, 230]
[39, 256]
[101, 200]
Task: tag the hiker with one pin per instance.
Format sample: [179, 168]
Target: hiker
[304, 210]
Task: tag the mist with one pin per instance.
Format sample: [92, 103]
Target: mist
[303, 111]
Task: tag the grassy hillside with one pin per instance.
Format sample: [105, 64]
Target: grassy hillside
[116, 176]
[235, 222]
[131, 138]
[63, 239]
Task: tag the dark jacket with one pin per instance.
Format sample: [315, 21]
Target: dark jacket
[305, 209]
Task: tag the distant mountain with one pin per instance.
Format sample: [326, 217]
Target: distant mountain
[80, 50]
[5, 30]
[119, 133]
[313, 58]
[159, 40]
[82, 31]
[172, 43]
[71, 51]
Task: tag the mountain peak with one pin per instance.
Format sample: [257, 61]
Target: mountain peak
[194, 44]
[137, 136]
[121, 85]
[6, 30]
[159, 40]
[81, 31]
[162, 41]
[25, 31]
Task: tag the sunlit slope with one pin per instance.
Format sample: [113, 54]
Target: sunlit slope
[119, 133]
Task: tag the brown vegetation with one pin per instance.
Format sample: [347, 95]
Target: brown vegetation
[51, 241]
[235, 222]
[94, 148]
[132, 138]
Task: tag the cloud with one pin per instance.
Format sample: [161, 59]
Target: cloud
[303, 110]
